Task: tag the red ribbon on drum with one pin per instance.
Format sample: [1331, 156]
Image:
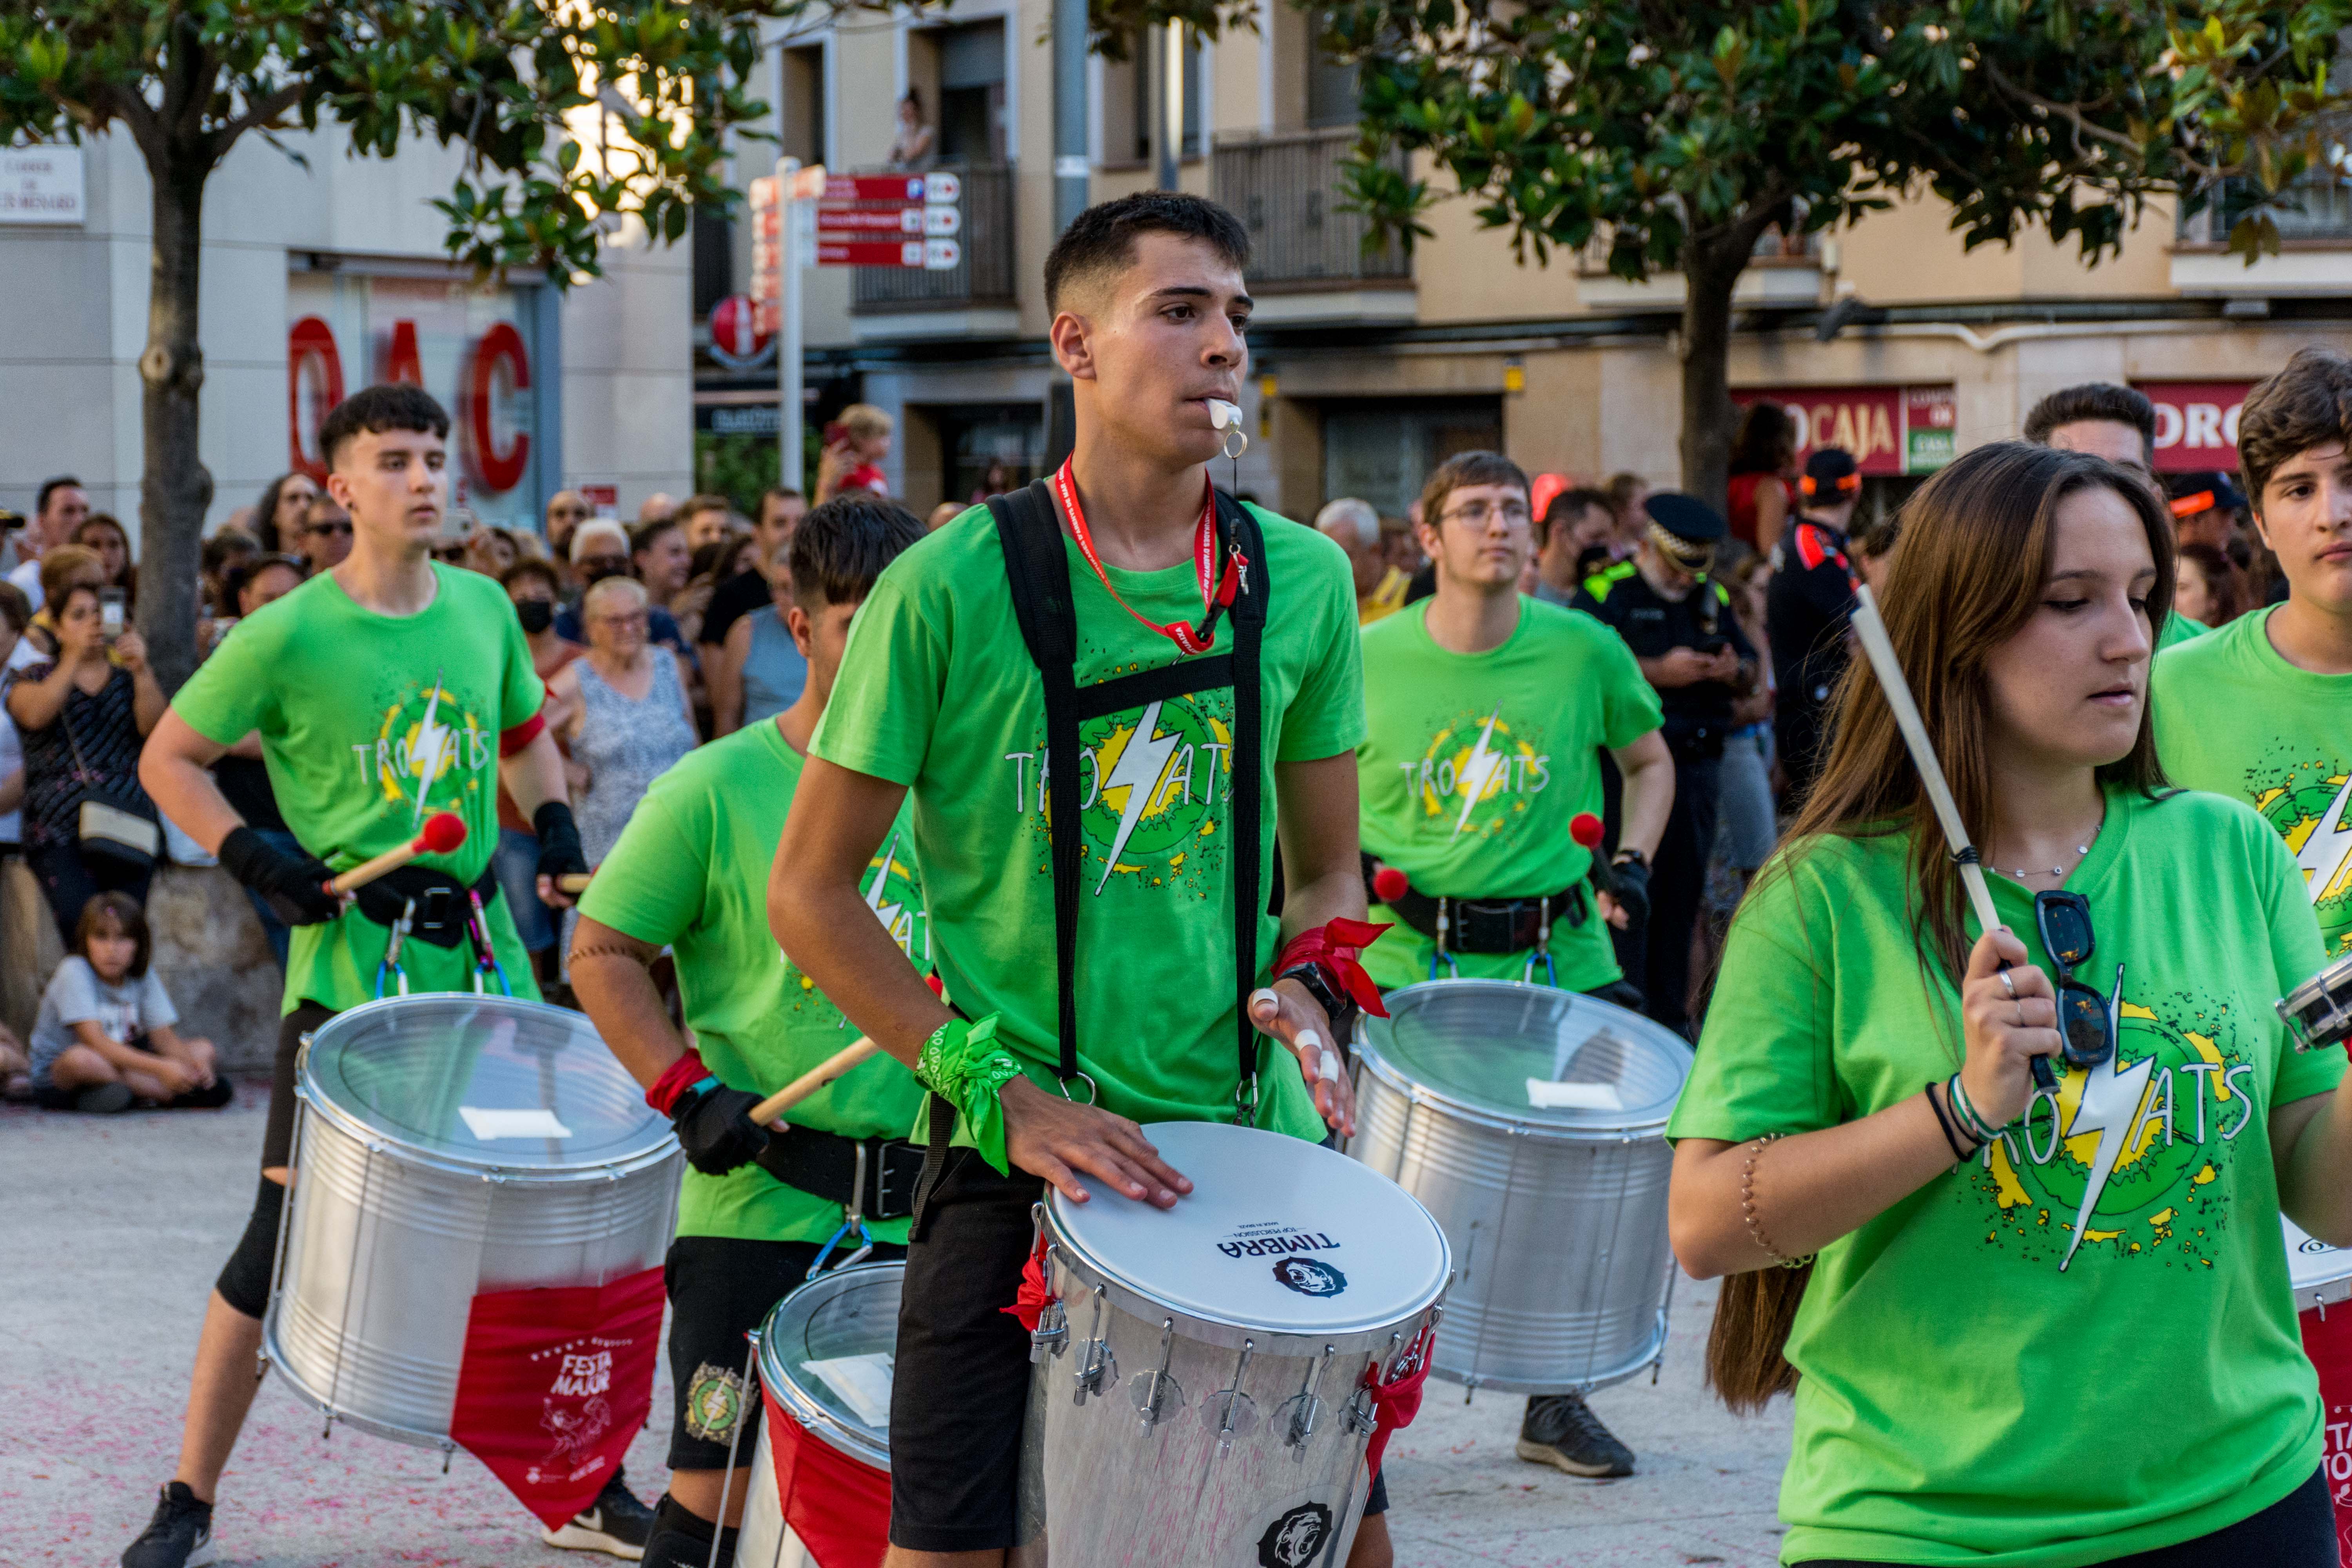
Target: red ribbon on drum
[1396, 1402]
[839, 1509]
[553, 1385]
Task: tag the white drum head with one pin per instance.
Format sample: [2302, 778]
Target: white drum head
[492, 1082]
[1528, 1056]
[827, 1353]
[1278, 1235]
[2322, 1274]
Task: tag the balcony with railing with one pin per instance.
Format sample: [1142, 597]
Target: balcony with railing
[978, 296]
[1784, 271]
[1307, 258]
[2315, 253]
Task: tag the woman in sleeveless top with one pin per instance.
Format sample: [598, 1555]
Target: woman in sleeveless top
[769, 669]
[628, 718]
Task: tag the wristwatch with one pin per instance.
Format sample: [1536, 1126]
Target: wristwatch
[1630, 856]
[1337, 1005]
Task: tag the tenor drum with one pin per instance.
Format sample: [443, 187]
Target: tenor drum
[2323, 1302]
[446, 1145]
[1198, 1391]
[2319, 1011]
[1531, 1121]
[824, 1358]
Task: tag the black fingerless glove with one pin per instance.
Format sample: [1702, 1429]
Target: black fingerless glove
[1629, 884]
[294, 886]
[559, 853]
[716, 1130]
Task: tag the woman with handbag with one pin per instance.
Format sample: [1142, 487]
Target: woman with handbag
[89, 828]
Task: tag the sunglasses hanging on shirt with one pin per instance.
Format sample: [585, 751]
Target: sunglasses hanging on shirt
[2087, 1020]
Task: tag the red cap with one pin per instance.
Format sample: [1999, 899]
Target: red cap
[1389, 884]
[1586, 829]
[443, 832]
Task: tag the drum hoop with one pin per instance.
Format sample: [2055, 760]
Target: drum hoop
[273, 1352]
[661, 1145]
[1393, 1076]
[819, 1422]
[1230, 1333]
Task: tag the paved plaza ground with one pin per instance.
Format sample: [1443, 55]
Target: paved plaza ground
[116, 1227]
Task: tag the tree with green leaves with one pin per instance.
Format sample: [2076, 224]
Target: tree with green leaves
[1673, 135]
[505, 81]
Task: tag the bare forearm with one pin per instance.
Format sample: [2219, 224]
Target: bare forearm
[36, 704]
[534, 775]
[615, 987]
[184, 790]
[2314, 1169]
[147, 700]
[1809, 1189]
[1649, 800]
[12, 789]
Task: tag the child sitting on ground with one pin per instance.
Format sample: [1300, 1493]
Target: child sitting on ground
[105, 1037]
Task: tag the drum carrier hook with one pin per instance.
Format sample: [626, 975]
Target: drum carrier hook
[389, 964]
[1439, 952]
[853, 1219]
[1542, 948]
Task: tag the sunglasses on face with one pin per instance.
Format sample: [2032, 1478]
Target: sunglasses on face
[321, 530]
[2085, 1022]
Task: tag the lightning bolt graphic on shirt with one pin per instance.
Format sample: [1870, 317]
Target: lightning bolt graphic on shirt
[1142, 767]
[432, 746]
[1478, 771]
[2324, 854]
[887, 913]
[2109, 1104]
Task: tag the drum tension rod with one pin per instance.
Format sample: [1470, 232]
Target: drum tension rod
[1233, 1406]
[1306, 1407]
[1156, 1390]
[1097, 1362]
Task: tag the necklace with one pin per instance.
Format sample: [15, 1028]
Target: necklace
[2021, 873]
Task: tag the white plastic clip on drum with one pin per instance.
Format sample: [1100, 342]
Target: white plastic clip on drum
[826, 1353]
[1202, 1403]
[2319, 1011]
[1531, 1122]
[444, 1145]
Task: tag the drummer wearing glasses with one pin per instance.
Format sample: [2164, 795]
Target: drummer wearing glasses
[1486, 713]
[2036, 1326]
[1165, 823]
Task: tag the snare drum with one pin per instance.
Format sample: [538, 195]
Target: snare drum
[2323, 1285]
[2319, 1011]
[444, 1145]
[824, 1360]
[1197, 1396]
[1531, 1122]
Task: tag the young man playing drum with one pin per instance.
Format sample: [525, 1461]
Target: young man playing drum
[689, 874]
[2260, 710]
[1247, 706]
[1486, 713]
[384, 691]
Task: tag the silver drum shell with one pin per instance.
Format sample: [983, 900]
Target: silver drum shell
[1562, 1265]
[382, 1250]
[1098, 1486]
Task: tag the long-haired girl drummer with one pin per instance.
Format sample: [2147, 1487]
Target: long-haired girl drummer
[2040, 1325]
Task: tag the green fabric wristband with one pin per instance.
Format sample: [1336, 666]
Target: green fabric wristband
[964, 1065]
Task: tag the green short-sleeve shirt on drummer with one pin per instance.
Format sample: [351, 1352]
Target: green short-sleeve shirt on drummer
[690, 872]
[2082, 1343]
[937, 691]
[1475, 765]
[2234, 717]
[370, 723]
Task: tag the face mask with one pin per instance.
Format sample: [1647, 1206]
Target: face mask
[536, 615]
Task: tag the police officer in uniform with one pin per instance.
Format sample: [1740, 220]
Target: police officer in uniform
[1806, 609]
[1678, 622]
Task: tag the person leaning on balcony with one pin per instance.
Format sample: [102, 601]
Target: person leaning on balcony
[913, 147]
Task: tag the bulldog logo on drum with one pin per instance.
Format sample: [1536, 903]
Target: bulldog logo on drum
[1310, 1277]
[1292, 1541]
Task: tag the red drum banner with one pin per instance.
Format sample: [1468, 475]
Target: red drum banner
[838, 1507]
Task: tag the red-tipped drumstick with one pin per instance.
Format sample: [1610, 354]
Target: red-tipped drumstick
[1389, 884]
[1586, 829]
[443, 832]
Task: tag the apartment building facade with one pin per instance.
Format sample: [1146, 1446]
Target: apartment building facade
[1369, 367]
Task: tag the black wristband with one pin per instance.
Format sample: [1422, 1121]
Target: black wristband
[1944, 1121]
[560, 851]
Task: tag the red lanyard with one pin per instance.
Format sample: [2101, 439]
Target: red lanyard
[1216, 592]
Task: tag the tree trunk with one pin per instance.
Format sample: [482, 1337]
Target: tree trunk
[174, 488]
[1710, 272]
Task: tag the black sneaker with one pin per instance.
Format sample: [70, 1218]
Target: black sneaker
[179, 1536]
[104, 1100]
[615, 1523]
[1561, 1429]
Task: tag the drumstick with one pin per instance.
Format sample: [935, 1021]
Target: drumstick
[766, 1112]
[573, 881]
[1889, 670]
[443, 832]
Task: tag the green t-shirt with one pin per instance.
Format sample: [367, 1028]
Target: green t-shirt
[370, 723]
[937, 691]
[2234, 717]
[1983, 1382]
[690, 873]
[1474, 765]
[2178, 629]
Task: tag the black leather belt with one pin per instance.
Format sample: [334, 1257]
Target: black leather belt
[1488, 925]
[442, 907]
[872, 1176]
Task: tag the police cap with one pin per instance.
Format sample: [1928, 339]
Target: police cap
[1684, 517]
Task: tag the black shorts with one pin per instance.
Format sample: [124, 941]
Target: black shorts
[961, 1381]
[721, 1288]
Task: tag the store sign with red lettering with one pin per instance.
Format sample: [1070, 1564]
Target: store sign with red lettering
[468, 347]
[1888, 429]
[2196, 423]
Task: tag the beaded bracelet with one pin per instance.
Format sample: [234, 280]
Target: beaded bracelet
[1747, 1206]
[1951, 1139]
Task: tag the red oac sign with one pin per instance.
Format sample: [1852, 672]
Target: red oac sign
[466, 347]
[2196, 423]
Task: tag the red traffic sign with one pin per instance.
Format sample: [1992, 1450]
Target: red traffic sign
[736, 329]
[944, 188]
[843, 219]
[851, 250]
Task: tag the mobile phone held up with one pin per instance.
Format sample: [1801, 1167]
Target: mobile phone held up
[110, 613]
